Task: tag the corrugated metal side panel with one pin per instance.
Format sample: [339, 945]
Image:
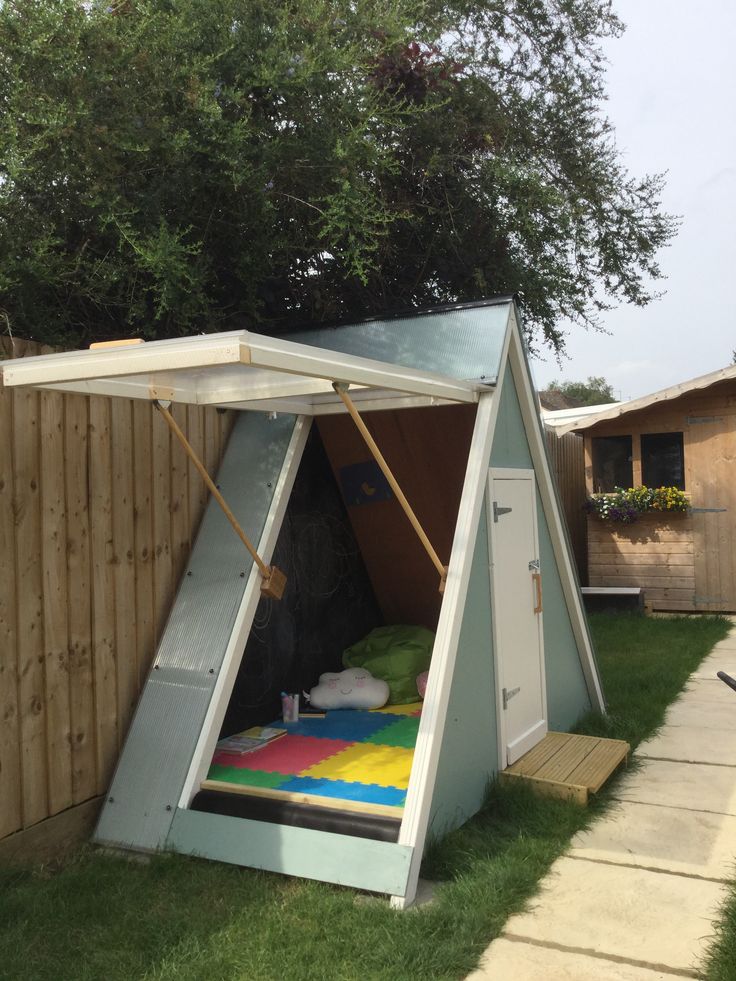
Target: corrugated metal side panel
[463, 343]
[154, 763]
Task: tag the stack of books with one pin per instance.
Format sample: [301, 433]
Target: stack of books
[250, 739]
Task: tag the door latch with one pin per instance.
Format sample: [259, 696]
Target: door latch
[497, 511]
[508, 695]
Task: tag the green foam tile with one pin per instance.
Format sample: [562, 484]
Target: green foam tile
[402, 733]
[248, 778]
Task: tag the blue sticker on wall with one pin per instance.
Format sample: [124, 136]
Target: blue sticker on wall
[364, 483]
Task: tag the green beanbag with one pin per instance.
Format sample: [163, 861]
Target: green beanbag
[395, 654]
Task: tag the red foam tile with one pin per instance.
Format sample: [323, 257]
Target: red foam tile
[288, 755]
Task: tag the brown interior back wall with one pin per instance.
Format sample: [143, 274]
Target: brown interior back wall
[427, 450]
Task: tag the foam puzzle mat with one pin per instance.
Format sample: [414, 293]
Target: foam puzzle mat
[358, 756]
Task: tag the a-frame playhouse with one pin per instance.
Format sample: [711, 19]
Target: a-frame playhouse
[442, 405]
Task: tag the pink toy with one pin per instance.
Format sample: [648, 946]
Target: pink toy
[422, 683]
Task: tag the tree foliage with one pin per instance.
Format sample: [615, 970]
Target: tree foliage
[176, 166]
[595, 391]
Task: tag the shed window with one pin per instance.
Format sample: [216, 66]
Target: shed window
[611, 463]
[662, 460]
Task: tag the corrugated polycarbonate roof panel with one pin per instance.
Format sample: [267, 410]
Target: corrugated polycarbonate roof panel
[172, 708]
[462, 342]
[450, 354]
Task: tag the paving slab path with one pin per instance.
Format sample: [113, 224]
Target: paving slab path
[635, 896]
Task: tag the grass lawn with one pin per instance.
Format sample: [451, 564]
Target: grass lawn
[103, 918]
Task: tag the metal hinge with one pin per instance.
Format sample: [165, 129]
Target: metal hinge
[508, 695]
[497, 511]
[707, 510]
[702, 420]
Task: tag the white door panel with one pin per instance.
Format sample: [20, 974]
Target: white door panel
[517, 610]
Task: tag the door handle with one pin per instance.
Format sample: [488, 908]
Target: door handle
[537, 580]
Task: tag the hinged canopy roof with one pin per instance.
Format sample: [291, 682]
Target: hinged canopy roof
[244, 370]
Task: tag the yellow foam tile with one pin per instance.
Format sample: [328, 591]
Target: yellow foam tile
[386, 766]
[410, 709]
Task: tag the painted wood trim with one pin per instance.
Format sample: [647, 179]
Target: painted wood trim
[288, 368]
[418, 804]
[313, 800]
[378, 866]
[552, 510]
[244, 618]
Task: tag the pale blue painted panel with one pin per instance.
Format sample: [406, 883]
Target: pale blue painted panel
[469, 754]
[379, 866]
[463, 342]
[567, 692]
[510, 446]
[155, 760]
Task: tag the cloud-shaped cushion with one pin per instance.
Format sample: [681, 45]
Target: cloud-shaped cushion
[353, 688]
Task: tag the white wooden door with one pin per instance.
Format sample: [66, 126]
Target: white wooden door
[517, 611]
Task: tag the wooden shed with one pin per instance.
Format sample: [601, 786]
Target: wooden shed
[512, 659]
[684, 437]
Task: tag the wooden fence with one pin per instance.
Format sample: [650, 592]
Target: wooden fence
[97, 512]
[567, 456]
[98, 508]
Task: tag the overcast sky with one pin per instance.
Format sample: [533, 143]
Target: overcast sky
[672, 88]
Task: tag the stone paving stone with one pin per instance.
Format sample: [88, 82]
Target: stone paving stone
[719, 661]
[709, 690]
[667, 838]
[651, 918]
[691, 744]
[506, 959]
[698, 786]
[693, 711]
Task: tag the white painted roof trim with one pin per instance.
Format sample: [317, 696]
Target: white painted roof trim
[220, 369]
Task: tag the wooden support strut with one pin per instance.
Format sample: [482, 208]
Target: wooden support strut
[274, 580]
[341, 390]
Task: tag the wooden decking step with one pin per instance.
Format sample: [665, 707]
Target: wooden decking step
[569, 766]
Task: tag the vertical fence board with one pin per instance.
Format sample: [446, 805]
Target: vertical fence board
[55, 593]
[103, 590]
[143, 526]
[180, 541]
[98, 508]
[212, 441]
[81, 674]
[567, 456]
[161, 487]
[30, 607]
[121, 427]
[197, 489]
[11, 813]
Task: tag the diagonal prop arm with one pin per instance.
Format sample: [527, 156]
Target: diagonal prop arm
[274, 579]
[400, 496]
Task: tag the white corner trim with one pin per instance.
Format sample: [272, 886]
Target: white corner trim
[551, 506]
[434, 711]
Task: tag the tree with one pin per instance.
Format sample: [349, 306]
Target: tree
[176, 166]
[594, 391]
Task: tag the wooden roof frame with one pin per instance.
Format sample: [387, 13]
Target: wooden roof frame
[239, 370]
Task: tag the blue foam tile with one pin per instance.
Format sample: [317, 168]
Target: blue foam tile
[352, 726]
[368, 793]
